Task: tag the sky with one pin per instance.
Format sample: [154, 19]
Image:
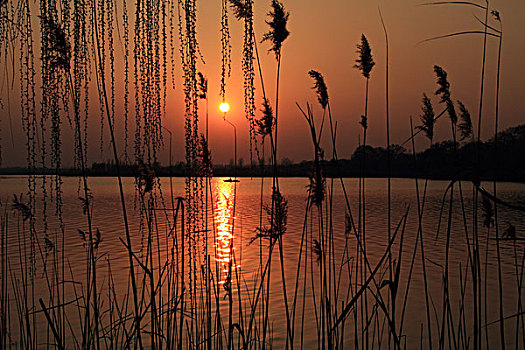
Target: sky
[323, 36]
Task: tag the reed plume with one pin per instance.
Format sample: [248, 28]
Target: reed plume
[277, 218]
[427, 118]
[444, 91]
[365, 61]
[265, 124]
[278, 31]
[465, 125]
[319, 87]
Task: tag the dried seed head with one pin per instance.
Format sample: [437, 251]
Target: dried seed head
[465, 126]
[365, 61]
[205, 157]
[265, 124]
[444, 91]
[320, 87]
[427, 118]
[278, 32]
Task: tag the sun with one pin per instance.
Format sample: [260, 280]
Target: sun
[224, 107]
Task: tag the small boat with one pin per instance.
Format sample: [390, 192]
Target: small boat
[231, 180]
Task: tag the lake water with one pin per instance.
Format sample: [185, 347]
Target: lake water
[233, 219]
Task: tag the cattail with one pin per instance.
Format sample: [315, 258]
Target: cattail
[444, 91]
[365, 62]
[427, 118]
[278, 32]
[465, 126]
[320, 87]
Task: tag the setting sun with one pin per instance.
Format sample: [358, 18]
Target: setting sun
[224, 107]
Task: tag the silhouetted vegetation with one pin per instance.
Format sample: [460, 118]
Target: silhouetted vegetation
[435, 162]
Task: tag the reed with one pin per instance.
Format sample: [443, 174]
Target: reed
[364, 63]
[171, 293]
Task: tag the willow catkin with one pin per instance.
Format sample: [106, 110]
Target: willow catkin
[194, 184]
[109, 21]
[172, 42]
[164, 53]
[4, 16]
[55, 57]
[28, 109]
[225, 49]
[101, 22]
[243, 10]
[148, 80]
[125, 24]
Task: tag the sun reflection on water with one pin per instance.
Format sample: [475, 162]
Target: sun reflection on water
[224, 219]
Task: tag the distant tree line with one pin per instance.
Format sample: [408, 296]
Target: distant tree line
[444, 160]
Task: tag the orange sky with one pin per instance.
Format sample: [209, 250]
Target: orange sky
[324, 34]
